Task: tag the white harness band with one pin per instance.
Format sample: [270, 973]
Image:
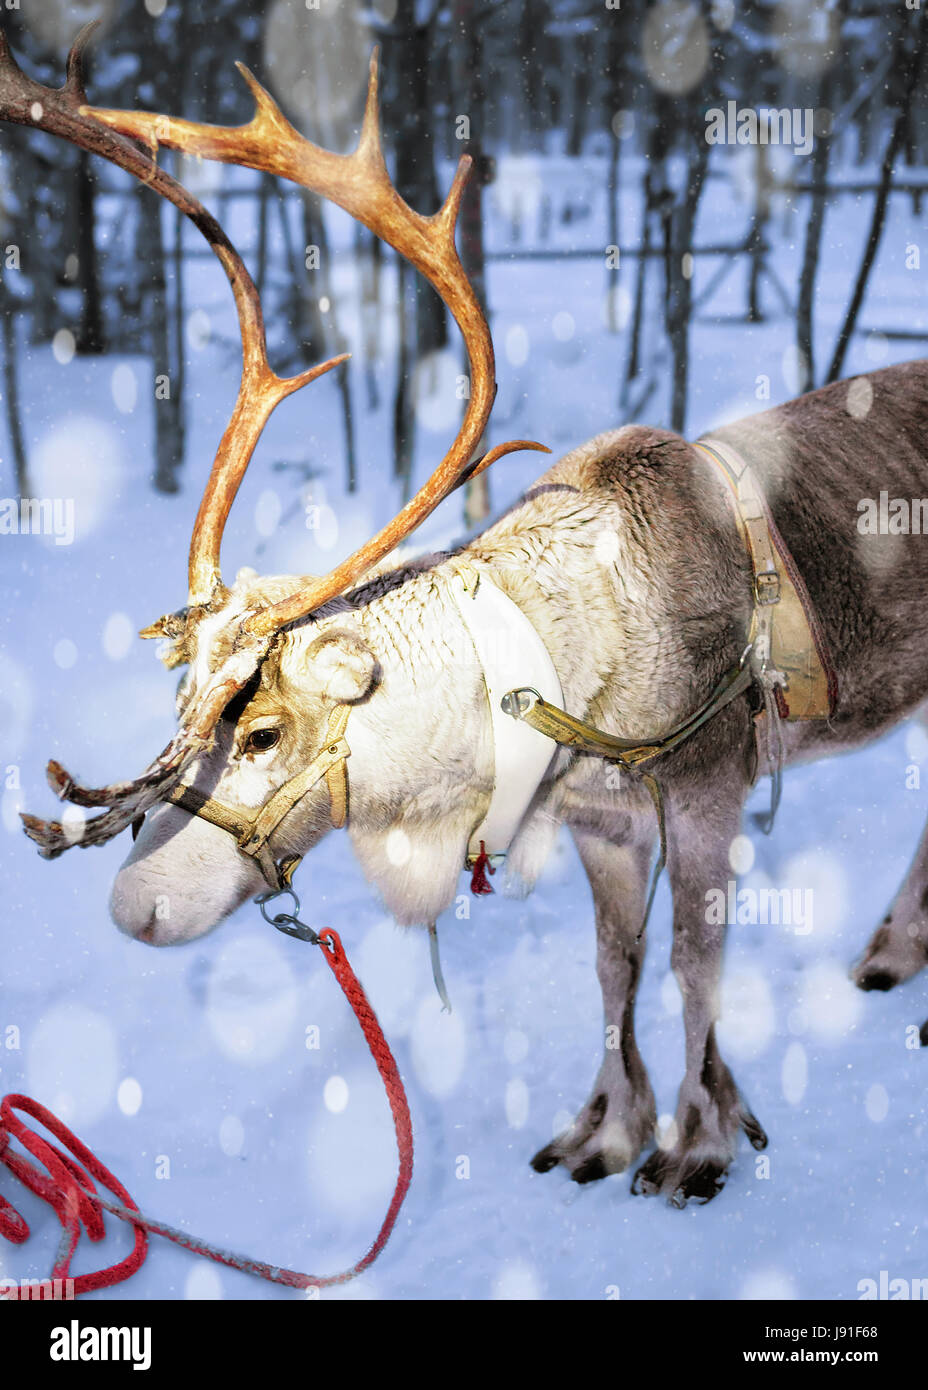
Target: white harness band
[510, 653]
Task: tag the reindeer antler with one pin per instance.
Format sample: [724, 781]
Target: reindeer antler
[360, 184]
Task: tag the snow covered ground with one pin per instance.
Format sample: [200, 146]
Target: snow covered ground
[188, 1071]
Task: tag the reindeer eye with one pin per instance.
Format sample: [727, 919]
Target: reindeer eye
[261, 740]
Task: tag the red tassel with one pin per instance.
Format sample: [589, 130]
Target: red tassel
[482, 866]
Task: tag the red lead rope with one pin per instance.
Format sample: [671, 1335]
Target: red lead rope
[69, 1181]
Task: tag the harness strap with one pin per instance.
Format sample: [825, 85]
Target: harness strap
[564, 728]
[790, 653]
[252, 830]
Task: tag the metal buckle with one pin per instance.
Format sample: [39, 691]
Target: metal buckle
[767, 587]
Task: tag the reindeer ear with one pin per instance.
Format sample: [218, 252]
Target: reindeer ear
[345, 667]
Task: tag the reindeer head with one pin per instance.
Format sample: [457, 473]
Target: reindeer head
[257, 770]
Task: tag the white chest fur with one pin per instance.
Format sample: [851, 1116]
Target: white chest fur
[511, 654]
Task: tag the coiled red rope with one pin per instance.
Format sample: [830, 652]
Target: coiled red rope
[69, 1182]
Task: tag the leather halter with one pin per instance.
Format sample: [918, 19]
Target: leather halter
[253, 829]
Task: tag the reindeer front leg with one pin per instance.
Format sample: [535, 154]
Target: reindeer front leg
[619, 1118]
[694, 1157]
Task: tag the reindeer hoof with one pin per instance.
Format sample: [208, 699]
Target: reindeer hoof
[754, 1130]
[876, 979]
[545, 1159]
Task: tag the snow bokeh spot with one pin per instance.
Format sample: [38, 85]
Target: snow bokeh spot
[916, 743]
[16, 707]
[515, 1047]
[251, 1000]
[876, 346]
[563, 1120]
[617, 307]
[516, 345]
[791, 365]
[667, 1131]
[517, 1103]
[671, 998]
[81, 459]
[129, 1096]
[118, 635]
[203, 1284]
[819, 873]
[563, 326]
[748, 1020]
[64, 653]
[517, 1281]
[11, 804]
[741, 854]
[231, 1136]
[435, 391]
[198, 329]
[675, 46]
[769, 1283]
[606, 546]
[125, 388]
[73, 820]
[63, 346]
[439, 1047]
[335, 1095]
[859, 397]
[794, 1075]
[830, 1003]
[72, 1064]
[267, 512]
[398, 847]
[351, 1157]
[623, 124]
[877, 1103]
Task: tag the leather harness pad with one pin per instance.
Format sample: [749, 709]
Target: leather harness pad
[784, 615]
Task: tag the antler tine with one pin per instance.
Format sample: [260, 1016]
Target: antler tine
[360, 184]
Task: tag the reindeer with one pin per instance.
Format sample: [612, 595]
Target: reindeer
[618, 586]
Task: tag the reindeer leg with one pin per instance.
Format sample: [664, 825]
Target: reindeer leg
[619, 1118]
[694, 1159]
[898, 948]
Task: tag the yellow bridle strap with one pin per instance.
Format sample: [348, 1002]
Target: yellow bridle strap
[252, 831]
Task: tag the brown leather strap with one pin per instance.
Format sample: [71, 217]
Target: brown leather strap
[785, 631]
[252, 830]
[630, 754]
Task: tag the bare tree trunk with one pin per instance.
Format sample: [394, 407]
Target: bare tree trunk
[757, 241]
[316, 235]
[680, 284]
[468, 82]
[369, 251]
[403, 413]
[911, 70]
[11, 391]
[805, 343]
[150, 250]
[90, 337]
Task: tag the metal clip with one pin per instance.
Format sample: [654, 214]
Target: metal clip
[288, 922]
